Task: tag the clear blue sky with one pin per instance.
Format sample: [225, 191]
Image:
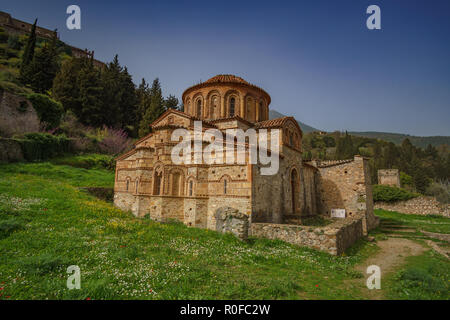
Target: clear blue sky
[316, 59]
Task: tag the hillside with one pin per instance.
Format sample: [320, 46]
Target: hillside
[305, 128]
[396, 138]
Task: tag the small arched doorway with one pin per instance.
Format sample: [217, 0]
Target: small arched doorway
[294, 189]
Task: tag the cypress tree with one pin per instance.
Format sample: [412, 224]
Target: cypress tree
[28, 52]
[44, 67]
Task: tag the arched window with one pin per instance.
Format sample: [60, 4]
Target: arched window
[225, 182]
[291, 141]
[128, 184]
[232, 106]
[199, 108]
[176, 183]
[191, 188]
[157, 183]
[136, 186]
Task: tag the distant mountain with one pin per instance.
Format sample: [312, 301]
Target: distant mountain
[273, 114]
[396, 138]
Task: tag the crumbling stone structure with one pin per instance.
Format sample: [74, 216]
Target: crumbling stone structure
[147, 182]
[229, 220]
[389, 177]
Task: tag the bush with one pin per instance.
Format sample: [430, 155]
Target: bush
[48, 110]
[42, 146]
[440, 190]
[114, 141]
[406, 181]
[391, 194]
[90, 161]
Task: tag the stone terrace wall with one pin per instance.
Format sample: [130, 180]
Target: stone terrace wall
[420, 205]
[334, 238]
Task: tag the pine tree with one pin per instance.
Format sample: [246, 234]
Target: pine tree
[28, 53]
[128, 102]
[65, 85]
[171, 102]
[143, 96]
[90, 95]
[112, 90]
[155, 109]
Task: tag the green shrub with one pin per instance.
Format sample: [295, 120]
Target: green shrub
[391, 194]
[41, 146]
[90, 161]
[49, 111]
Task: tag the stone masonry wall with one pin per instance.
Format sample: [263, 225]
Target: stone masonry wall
[334, 238]
[346, 185]
[420, 205]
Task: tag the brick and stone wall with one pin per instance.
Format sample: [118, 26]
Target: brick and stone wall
[421, 205]
[334, 238]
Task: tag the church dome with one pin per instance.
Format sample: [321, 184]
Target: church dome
[224, 96]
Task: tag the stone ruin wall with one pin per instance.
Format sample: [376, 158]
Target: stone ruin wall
[389, 177]
[334, 238]
[346, 185]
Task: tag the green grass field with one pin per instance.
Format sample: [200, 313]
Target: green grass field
[47, 224]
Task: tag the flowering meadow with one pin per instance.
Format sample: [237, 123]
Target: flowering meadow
[47, 223]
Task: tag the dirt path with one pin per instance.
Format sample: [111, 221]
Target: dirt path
[392, 254]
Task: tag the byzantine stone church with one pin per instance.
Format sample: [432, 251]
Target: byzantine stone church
[147, 182]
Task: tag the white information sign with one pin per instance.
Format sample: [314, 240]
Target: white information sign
[338, 213]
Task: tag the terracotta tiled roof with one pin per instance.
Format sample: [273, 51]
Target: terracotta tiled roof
[278, 122]
[226, 79]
